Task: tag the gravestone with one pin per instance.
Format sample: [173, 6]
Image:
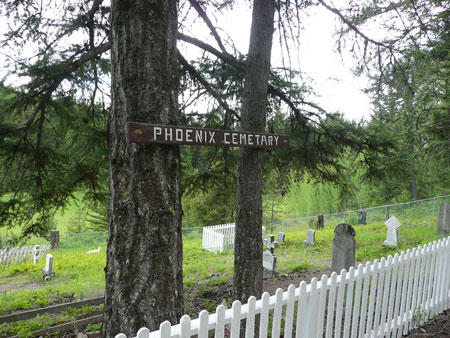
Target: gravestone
[48, 273]
[310, 238]
[362, 215]
[444, 219]
[344, 247]
[264, 230]
[280, 237]
[319, 222]
[54, 239]
[392, 234]
[270, 243]
[269, 258]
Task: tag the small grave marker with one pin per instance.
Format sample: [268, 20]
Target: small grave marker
[264, 230]
[344, 247]
[444, 219]
[362, 215]
[392, 234]
[280, 237]
[319, 222]
[48, 273]
[310, 238]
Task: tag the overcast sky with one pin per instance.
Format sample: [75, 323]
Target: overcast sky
[339, 90]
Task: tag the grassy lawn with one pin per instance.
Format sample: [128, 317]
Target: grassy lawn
[81, 276]
[62, 217]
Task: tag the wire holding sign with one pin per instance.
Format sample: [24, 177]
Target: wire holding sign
[152, 133]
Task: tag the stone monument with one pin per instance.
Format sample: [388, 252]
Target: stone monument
[344, 247]
[310, 238]
[281, 237]
[392, 234]
[362, 215]
[444, 219]
[48, 273]
[269, 258]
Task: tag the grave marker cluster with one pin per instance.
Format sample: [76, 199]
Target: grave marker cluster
[269, 258]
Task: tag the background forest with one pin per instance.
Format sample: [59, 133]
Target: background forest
[54, 105]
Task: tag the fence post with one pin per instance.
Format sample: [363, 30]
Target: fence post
[434, 207]
[54, 239]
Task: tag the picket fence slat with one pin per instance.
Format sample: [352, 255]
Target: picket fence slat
[301, 311]
[384, 298]
[289, 321]
[340, 303]
[331, 305]
[371, 307]
[365, 294]
[250, 327]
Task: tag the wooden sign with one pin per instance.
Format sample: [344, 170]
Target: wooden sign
[152, 133]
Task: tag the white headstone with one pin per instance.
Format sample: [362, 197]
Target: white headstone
[392, 234]
[269, 260]
[48, 272]
[264, 230]
[310, 238]
[270, 243]
[280, 237]
[49, 263]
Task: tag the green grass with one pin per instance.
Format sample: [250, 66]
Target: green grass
[80, 276]
[62, 217]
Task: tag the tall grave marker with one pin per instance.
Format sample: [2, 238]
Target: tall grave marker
[444, 219]
[392, 233]
[344, 247]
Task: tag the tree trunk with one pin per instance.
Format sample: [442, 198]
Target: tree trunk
[248, 271]
[144, 283]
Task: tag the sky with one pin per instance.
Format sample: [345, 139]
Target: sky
[338, 89]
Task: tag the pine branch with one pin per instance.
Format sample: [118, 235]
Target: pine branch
[240, 66]
[206, 85]
[208, 22]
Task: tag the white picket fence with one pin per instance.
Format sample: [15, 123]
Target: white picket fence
[218, 238]
[385, 298]
[9, 256]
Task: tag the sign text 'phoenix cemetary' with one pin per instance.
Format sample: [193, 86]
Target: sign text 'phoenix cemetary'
[152, 133]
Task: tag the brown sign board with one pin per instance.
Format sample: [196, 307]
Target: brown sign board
[153, 133]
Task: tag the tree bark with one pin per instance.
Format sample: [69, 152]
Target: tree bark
[144, 283]
[248, 271]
